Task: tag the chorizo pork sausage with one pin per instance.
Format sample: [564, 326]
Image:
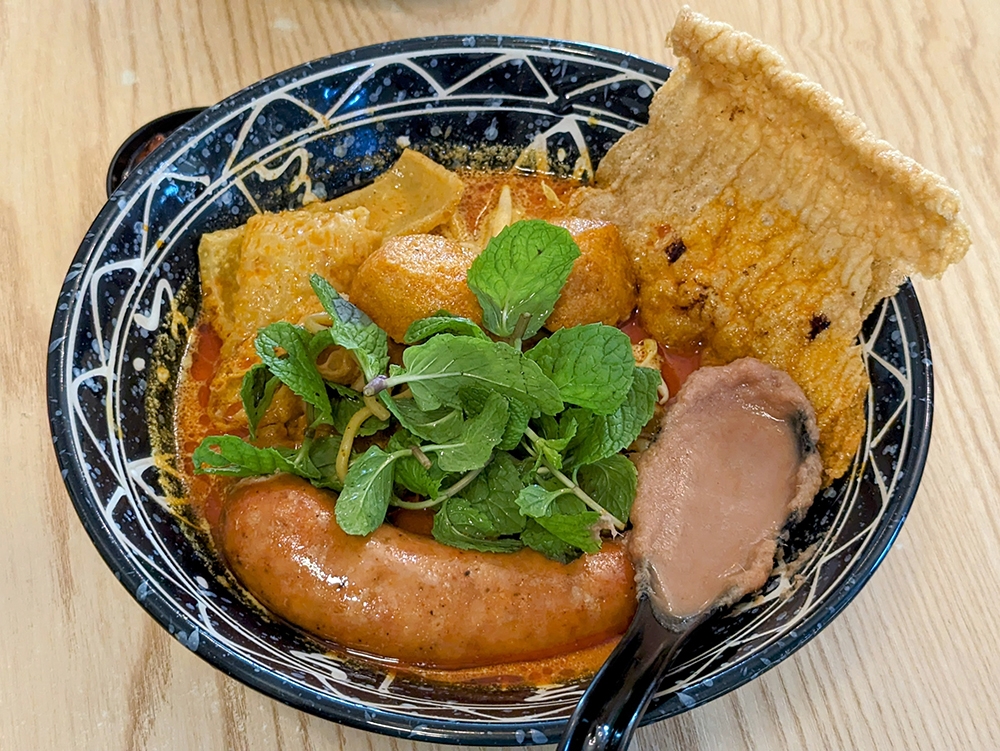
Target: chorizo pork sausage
[405, 596]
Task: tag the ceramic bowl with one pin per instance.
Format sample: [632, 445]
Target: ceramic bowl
[324, 128]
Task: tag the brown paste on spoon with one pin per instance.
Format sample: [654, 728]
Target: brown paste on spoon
[735, 459]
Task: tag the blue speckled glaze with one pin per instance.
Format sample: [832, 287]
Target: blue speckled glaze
[324, 128]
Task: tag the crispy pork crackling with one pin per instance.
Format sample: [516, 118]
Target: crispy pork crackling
[765, 220]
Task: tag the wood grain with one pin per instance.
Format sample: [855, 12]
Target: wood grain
[913, 663]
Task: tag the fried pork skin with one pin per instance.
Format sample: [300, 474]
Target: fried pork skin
[767, 221]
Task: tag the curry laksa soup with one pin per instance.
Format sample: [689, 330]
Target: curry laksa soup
[407, 413]
[453, 420]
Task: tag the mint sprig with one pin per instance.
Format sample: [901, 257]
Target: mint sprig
[437, 370]
[591, 365]
[600, 436]
[442, 323]
[577, 527]
[454, 525]
[256, 392]
[364, 501]
[231, 456]
[352, 329]
[410, 474]
[536, 537]
[612, 481]
[479, 436]
[520, 275]
[436, 425]
[285, 350]
[485, 516]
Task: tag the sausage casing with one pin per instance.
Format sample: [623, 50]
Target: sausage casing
[405, 596]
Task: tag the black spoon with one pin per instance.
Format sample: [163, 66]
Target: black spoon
[610, 709]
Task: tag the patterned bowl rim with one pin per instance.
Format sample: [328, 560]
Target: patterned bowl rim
[172, 618]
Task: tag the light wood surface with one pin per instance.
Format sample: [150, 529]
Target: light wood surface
[913, 663]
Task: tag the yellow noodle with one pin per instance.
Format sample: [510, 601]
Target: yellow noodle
[347, 442]
[377, 408]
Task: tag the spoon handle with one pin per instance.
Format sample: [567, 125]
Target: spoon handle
[609, 711]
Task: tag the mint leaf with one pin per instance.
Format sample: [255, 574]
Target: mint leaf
[449, 528]
[256, 392]
[322, 470]
[472, 449]
[364, 500]
[578, 530]
[518, 415]
[591, 365]
[230, 455]
[611, 482]
[440, 368]
[550, 450]
[598, 436]
[410, 473]
[536, 537]
[352, 329]
[296, 368]
[437, 425]
[517, 422]
[442, 322]
[490, 502]
[521, 272]
[563, 515]
[486, 511]
[535, 501]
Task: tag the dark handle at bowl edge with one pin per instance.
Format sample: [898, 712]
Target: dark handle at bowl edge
[142, 143]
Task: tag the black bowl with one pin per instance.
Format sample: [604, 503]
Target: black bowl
[324, 128]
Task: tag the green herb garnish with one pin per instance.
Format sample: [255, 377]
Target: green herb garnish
[285, 350]
[591, 365]
[442, 322]
[519, 276]
[256, 392]
[352, 329]
[509, 448]
[437, 370]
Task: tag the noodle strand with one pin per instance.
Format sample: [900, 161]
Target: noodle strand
[347, 442]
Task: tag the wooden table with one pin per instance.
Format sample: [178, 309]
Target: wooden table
[913, 663]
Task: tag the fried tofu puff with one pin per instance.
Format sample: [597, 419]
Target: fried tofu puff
[602, 286]
[413, 277]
